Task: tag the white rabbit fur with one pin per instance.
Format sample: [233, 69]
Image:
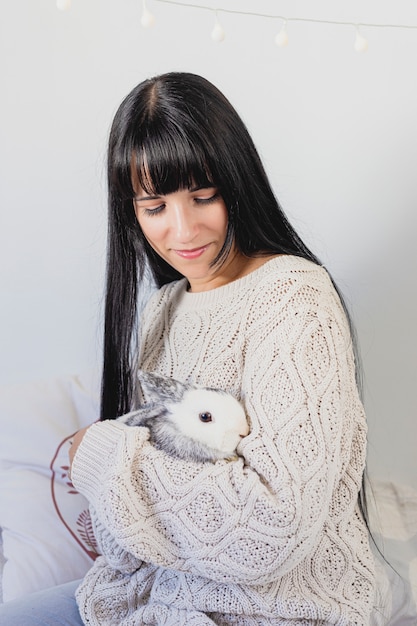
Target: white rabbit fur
[191, 422]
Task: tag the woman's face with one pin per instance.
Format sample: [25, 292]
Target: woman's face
[187, 228]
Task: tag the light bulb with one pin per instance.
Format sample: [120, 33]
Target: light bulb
[281, 39]
[147, 20]
[63, 5]
[218, 34]
[361, 44]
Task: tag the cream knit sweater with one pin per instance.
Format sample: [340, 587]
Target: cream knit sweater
[274, 538]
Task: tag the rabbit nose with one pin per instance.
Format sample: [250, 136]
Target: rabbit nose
[245, 433]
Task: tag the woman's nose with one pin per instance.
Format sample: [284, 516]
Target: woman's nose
[183, 224]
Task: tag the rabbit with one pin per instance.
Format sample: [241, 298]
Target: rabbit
[191, 422]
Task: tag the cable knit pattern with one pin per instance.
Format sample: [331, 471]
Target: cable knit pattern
[274, 538]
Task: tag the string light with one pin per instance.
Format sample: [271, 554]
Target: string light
[217, 34]
[281, 39]
[63, 5]
[147, 20]
[361, 44]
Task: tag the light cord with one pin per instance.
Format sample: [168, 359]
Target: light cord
[281, 38]
[285, 18]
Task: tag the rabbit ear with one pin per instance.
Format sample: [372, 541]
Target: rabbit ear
[158, 388]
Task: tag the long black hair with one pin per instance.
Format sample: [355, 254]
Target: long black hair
[175, 131]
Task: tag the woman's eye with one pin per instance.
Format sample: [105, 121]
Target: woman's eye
[207, 200]
[154, 210]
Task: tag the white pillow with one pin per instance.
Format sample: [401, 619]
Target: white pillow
[393, 513]
[44, 522]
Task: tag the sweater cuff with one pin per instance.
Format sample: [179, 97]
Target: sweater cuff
[96, 453]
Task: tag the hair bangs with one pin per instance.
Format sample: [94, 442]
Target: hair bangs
[168, 160]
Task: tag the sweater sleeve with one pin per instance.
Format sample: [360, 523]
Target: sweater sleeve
[252, 520]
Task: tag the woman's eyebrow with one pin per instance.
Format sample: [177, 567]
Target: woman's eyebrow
[142, 198]
[192, 189]
[199, 187]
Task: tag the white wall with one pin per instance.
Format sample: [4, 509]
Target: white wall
[336, 129]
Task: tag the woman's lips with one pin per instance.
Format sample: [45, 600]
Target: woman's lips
[191, 254]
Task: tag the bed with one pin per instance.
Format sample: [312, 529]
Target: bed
[45, 531]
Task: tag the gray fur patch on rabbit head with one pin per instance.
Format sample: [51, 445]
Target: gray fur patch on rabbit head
[159, 389]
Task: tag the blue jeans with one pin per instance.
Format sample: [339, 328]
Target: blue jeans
[50, 607]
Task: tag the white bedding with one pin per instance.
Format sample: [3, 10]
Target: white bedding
[393, 518]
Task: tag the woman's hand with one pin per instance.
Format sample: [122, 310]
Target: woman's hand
[76, 440]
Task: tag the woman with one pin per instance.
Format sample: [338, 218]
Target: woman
[276, 537]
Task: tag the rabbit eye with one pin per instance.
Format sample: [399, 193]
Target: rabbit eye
[205, 417]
